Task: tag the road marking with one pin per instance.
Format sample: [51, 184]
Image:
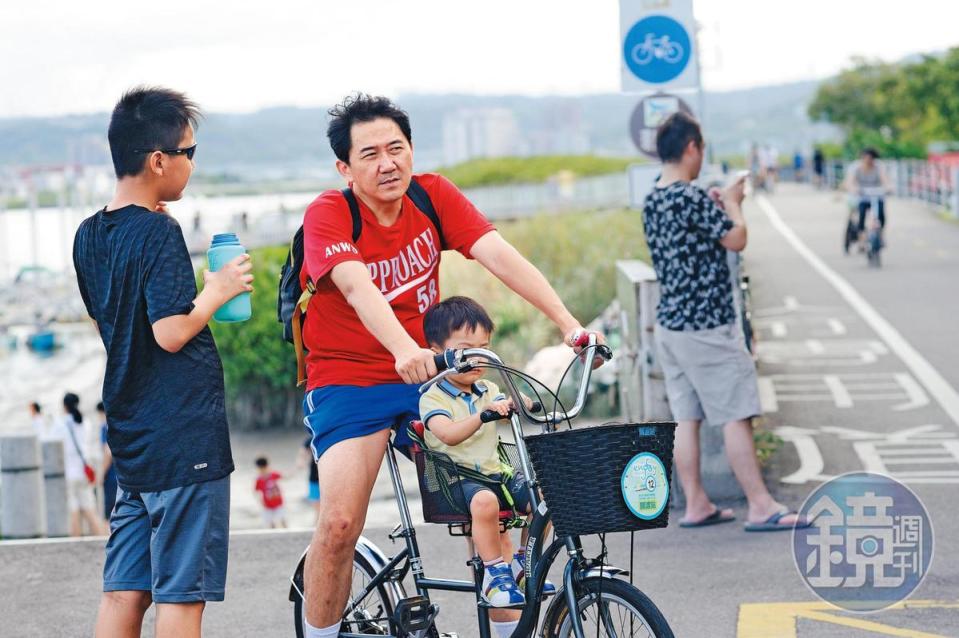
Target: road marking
[899, 454]
[767, 395]
[811, 463]
[840, 395]
[842, 390]
[935, 384]
[837, 326]
[778, 620]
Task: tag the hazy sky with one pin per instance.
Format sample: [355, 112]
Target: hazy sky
[60, 56]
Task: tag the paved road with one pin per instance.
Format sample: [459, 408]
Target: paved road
[876, 361]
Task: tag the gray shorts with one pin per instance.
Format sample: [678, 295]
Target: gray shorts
[709, 374]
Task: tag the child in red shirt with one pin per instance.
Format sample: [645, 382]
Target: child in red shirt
[268, 485]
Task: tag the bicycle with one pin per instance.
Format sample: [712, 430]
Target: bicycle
[379, 603]
[872, 198]
[653, 48]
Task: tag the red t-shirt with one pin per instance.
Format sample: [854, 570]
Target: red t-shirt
[269, 487]
[403, 261]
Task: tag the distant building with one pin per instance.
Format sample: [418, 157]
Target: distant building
[473, 133]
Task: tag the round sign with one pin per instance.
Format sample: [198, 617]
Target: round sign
[648, 115]
[645, 486]
[870, 544]
[657, 49]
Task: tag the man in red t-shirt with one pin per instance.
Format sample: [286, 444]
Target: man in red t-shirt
[364, 325]
[268, 486]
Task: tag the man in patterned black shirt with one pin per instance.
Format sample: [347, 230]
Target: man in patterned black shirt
[709, 374]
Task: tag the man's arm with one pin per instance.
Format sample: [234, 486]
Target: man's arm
[500, 258]
[413, 364]
[732, 198]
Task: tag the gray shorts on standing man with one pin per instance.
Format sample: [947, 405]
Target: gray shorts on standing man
[709, 374]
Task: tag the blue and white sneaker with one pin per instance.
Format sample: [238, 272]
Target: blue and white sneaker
[499, 588]
[518, 567]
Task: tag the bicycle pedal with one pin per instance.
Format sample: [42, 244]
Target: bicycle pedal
[415, 613]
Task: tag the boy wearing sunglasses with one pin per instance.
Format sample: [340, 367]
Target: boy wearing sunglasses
[163, 388]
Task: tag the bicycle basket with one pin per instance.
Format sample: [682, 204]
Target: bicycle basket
[605, 478]
[439, 482]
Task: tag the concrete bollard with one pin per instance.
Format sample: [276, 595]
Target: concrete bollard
[55, 489]
[23, 513]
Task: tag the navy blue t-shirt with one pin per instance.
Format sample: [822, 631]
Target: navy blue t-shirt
[165, 411]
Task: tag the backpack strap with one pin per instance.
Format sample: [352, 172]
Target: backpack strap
[421, 198]
[301, 305]
[354, 212]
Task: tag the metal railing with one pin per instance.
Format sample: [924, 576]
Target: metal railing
[923, 180]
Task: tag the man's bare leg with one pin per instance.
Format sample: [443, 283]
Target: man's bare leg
[179, 620]
[347, 473]
[121, 613]
[686, 455]
[741, 452]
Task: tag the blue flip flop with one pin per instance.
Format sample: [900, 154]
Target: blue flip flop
[772, 524]
[713, 519]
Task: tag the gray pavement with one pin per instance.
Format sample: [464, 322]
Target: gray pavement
[830, 381]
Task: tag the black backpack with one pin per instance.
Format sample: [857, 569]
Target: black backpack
[292, 299]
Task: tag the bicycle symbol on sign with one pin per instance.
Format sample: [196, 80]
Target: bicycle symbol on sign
[653, 48]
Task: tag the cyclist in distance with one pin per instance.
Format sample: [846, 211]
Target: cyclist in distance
[865, 176]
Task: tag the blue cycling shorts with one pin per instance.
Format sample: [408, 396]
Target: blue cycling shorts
[335, 413]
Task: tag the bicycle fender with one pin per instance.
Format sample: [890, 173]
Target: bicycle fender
[364, 546]
[296, 580]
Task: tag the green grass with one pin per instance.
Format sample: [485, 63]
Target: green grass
[515, 170]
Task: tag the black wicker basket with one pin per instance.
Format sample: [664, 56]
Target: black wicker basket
[580, 472]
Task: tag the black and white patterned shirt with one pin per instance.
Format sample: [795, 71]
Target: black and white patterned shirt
[683, 228]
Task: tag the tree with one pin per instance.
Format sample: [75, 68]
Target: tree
[898, 108]
[258, 365]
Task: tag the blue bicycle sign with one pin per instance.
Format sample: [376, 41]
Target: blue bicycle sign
[657, 49]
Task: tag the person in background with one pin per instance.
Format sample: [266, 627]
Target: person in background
[41, 427]
[818, 166]
[799, 173]
[709, 374]
[863, 178]
[108, 473]
[268, 485]
[81, 500]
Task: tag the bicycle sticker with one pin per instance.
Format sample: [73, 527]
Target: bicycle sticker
[645, 486]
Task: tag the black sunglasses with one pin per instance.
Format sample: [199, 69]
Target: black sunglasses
[189, 151]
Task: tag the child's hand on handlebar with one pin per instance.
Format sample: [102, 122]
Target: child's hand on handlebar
[526, 401]
[502, 407]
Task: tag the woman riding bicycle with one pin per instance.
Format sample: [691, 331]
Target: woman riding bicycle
[863, 179]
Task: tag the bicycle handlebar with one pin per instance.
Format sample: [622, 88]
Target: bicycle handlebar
[492, 415]
[459, 361]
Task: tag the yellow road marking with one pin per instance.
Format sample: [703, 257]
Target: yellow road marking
[778, 620]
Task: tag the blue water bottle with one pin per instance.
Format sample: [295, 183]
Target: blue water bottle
[224, 248]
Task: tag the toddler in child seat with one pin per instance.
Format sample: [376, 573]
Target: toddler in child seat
[450, 411]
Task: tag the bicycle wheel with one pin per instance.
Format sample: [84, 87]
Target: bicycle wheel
[621, 611]
[370, 617]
